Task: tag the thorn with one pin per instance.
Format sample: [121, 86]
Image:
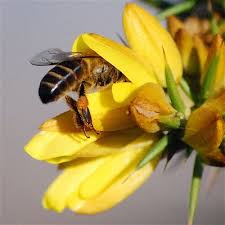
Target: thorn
[166, 164]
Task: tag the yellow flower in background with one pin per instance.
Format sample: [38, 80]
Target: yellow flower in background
[188, 36]
[94, 169]
[205, 130]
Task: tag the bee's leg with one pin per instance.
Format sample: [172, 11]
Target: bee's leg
[82, 105]
[77, 117]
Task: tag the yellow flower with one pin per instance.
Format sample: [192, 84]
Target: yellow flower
[94, 169]
[189, 39]
[205, 130]
[93, 185]
[149, 105]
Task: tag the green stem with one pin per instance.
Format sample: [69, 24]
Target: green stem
[154, 151]
[176, 9]
[172, 122]
[173, 93]
[195, 187]
[209, 79]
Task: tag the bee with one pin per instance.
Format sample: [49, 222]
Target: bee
[75, 72]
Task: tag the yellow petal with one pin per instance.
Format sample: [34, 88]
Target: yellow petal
[205, 130]
[156, 96]
[148, 38]
[201, 129]
[123, 92]
[59, 191]
[109, 144]
[220, 78]
[174, 24]
[46, 145]
[116, 193]
[108, 172]
[118, 55]
[201, 50]
[107, 114]
[148, 105]
[106, 187]
[188, 52]
[64, 123]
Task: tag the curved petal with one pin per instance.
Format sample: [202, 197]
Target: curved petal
[56, 196]
[148, 105]
[148, 38]
[123, 92]
[109, 144]
[205, 130]
[188, 52]
[116, 193]
[101, 178]
[46, 145]
[201, 50]
[174, 24]
[123, 58]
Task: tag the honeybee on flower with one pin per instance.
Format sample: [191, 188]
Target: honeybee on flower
[106, 159]
[146, 115]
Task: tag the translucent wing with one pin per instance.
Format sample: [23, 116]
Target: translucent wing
[53, 56]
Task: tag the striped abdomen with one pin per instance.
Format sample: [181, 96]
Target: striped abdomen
[59, 80]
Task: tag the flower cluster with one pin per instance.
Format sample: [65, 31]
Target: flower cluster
[174, 101]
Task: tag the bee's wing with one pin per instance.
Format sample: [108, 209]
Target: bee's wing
[53, 56]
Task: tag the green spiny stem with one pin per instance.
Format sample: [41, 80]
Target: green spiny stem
[195, 187]
[209, 79]
[177, 9]
[171, 122]
[154, 151]
[173, 93]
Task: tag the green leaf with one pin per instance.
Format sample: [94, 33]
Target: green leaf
[154, 151]
[177, 9]
[209, 79]
[172, 90]
[195, 187]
